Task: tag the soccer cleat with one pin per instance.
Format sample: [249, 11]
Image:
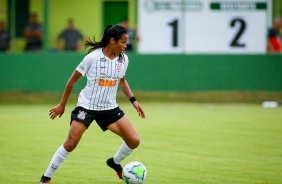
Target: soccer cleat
[45, 180]
[114, 166]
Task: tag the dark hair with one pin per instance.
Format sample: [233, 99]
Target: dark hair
[111, 31]
[33, 14]
[70, 20]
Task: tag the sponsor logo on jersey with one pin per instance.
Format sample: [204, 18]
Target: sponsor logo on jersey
[107, 82]
[81, 115]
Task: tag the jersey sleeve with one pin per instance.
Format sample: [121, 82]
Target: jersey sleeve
[84, 65]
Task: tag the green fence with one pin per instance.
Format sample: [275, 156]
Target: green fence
[50, 72]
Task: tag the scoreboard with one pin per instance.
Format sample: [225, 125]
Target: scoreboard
[202, 26]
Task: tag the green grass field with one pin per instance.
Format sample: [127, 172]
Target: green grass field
[180, 143]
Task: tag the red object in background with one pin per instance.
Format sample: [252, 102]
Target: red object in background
[276, 43]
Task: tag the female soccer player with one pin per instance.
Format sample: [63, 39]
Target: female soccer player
[104, 66]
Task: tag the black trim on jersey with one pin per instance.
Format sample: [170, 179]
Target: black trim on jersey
[106, 89]
[93, 88]
[102, 90]
[114, 90]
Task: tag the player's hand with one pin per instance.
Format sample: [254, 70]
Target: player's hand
[139, 109]
[57, 111]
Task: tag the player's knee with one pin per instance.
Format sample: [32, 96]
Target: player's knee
[70, 145]
[134, 142]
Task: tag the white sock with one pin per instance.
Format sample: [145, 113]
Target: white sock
[56, 161]
[122, 153]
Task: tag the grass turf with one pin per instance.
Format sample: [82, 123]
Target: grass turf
[254, 97]
[180, 143]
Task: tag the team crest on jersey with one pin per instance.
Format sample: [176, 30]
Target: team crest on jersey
[81, 115]
[103, 59]
[118, 67]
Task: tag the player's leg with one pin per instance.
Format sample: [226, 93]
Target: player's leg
[127, 132]
[75, 133]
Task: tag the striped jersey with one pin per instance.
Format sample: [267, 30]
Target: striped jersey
[103, 77]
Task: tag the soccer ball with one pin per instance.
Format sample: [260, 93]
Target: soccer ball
[134, 173]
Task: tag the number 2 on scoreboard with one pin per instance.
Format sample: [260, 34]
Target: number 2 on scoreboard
[240, 32]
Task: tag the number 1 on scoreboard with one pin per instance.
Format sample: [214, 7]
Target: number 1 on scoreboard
[174, 25]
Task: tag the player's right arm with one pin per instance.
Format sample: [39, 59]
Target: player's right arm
[60, 108]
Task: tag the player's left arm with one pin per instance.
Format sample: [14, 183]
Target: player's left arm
[127, 91]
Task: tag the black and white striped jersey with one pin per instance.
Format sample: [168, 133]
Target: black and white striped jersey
[103, 77]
